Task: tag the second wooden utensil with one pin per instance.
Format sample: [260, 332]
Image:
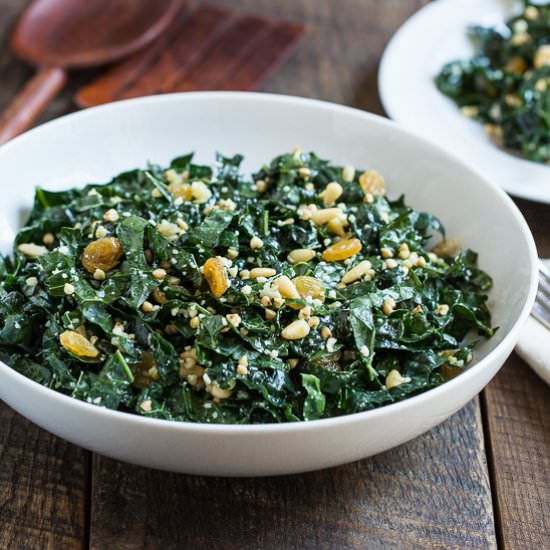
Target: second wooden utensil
[205, 48]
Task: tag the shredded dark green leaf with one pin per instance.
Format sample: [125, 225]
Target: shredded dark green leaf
[150, 334]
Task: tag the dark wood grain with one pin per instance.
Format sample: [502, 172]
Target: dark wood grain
[431, 493]
[43, 488]
[518, 427]
[43, 479]
[518, 418]
[236, 44]
[338, 61]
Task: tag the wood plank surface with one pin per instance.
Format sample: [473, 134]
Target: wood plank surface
[518, 418]
[430, 493]
[43, 488]
[517, 410]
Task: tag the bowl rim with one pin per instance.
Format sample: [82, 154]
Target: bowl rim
[238, 429]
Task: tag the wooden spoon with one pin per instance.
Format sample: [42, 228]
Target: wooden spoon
[57, 35]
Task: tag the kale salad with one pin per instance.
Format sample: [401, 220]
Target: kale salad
[506, 85]
[197, 293]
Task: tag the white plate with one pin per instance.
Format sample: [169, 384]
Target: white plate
[432, 37]
[98, 143]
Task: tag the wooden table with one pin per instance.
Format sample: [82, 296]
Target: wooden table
[480, 480]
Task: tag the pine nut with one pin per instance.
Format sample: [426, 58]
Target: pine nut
[531, 13]
[147, 307]
[332, 193]
[305, 313]
[48, 239]
[355, 273]
[194, 322]
[111, 215]
[216, 391]
[301, 255]
[182, 224]
[168, 229]
[286, 288]
[395, 379]
[234, 319]
[100, 232]
[256, 242]
[304, 172]
[542, 56]
[296, 330]
[200, 192]
[320, 217]
[31, 250]
[388, 306]
[348, 173]
[262, 272]
[270, 314]
[404, 251]
[314, 322]
[69, 289]
[99, 275]
[336, 226]
[159, 274]
[242, 370]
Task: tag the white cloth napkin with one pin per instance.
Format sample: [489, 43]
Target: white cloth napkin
[534, 345]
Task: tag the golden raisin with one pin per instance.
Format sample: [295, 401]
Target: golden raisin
[516, 65]
[102, 254]
[448, 248]
[346, 248]
[216, 276]
[372, 183]
[78, 345]
[309, 286]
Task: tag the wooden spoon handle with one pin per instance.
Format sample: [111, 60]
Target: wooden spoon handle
[31, 101]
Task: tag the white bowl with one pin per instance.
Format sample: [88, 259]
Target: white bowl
[95, 144]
